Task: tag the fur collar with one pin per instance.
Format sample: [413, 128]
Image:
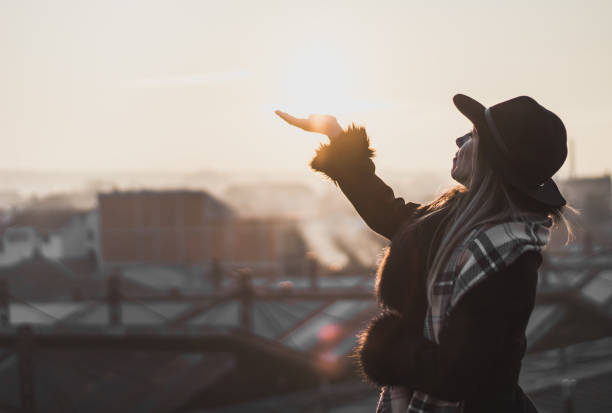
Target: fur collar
[400, 279]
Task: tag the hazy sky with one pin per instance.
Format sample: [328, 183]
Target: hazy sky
[189, 85]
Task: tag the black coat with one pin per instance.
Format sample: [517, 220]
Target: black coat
[483, 341]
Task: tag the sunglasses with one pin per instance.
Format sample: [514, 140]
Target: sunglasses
[463, 139]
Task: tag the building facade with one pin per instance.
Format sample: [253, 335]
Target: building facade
[183, 227]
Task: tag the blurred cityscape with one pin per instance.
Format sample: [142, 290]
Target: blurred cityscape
[216, 292]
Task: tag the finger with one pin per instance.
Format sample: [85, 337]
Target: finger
[299, 122]
[288, 118]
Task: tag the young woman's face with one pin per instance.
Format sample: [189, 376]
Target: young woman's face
[462, 162]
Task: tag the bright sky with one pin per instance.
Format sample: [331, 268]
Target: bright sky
[189, 85]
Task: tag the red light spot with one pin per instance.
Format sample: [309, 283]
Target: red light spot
[329, 332]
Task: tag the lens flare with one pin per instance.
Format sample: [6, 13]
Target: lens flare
[329, 332]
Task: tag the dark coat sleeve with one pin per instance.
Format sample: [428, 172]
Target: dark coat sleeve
[480, 347]
[347, 161]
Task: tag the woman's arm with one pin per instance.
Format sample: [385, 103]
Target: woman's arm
[347, 161]
[480, 347]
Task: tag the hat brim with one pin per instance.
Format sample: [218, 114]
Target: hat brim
[547, 193]
[470, 108]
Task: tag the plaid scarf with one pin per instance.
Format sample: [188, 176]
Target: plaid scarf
[487, 249]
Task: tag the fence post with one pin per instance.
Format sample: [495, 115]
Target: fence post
[567, 387]
[113, 296]
[5, 305]
[245, 292]
[25, 348]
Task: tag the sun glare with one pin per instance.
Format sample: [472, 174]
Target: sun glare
[319, 80]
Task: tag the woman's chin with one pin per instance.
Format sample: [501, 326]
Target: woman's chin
[457, 177]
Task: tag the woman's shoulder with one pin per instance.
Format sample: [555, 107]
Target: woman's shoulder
[521, 273]
[513, 287]
[499, 247]
[521, 277]
[528, 261]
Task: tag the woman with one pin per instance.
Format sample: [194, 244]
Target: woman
[457, 284]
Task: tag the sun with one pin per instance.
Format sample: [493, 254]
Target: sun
[319, 80]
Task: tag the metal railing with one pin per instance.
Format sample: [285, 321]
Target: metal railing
[24, 339]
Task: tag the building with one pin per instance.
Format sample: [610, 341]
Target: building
[592, 196]
[39, 278]
[592, 227]
[184, 227]
[173, 227]
[58, 233]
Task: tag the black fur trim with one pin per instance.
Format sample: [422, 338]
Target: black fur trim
[351, 149]
[384, 353]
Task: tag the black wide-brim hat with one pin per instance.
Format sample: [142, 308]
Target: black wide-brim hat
[526, 143]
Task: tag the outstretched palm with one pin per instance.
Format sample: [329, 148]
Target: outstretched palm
[325, 124]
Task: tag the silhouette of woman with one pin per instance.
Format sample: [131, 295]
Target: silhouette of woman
[457, 284]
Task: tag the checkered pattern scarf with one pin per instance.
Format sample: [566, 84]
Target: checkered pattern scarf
[486, 250]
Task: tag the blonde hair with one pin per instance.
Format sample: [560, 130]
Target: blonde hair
[484, 199]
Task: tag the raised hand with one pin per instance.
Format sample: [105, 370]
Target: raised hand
[325, 124]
